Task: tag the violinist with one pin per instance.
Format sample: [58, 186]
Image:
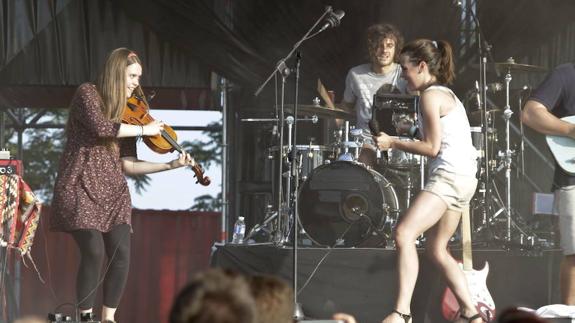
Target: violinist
[91, 197]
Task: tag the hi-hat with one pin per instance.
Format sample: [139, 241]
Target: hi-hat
[511, 66]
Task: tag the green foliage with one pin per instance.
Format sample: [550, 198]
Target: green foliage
[42, 149]
[207, 153]
[207, 202]
[140, 182]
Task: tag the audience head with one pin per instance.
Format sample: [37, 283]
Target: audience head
[273, 298]
[514, 315]
[214, 297]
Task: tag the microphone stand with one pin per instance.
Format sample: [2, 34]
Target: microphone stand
[281, 63]
[484, 50]
[282, 68]
[298, 311]
[298, 314]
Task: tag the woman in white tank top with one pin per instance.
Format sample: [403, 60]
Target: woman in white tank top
[446, 139]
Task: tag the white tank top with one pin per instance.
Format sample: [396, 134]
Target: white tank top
[457, 153]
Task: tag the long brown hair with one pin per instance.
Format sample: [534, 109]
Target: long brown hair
[111, 83]
[438, 56]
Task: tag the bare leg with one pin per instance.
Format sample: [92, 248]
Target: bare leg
[424, 212]
[437, 239]
[567, 279]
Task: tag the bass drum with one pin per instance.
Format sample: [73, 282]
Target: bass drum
[343, 203]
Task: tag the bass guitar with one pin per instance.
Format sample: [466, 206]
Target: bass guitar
[563, 149]
[476, 280]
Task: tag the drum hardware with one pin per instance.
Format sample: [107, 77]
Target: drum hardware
[344, 203]
[292, 203]
[343, 145]
[270, 215]
[321, 111]
[489, 193]
[510, 65]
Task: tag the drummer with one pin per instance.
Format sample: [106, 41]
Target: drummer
[382, 72]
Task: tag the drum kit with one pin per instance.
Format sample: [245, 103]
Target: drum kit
[349, 193]
[348, 200]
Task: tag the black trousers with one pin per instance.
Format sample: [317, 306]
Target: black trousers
[94, 245]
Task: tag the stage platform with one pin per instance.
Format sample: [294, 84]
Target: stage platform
[362, 281]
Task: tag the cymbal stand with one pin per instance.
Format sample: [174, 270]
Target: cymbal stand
[507, 157]
[281, 226]
[484, 53]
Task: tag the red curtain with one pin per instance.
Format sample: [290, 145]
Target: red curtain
[168, 247]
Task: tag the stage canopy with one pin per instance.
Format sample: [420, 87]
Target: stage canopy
[48, 47]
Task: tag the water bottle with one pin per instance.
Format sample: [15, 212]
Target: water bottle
[239, 231]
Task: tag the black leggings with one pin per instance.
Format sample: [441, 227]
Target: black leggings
[92, 245]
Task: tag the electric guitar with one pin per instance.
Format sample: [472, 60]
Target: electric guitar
[563, 149]
[476, 280]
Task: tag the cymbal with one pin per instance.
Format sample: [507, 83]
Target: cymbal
[512, 66]
[321, 111]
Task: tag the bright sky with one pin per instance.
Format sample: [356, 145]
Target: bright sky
[176, 189]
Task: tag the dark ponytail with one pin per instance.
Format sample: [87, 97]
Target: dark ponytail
[438, 56]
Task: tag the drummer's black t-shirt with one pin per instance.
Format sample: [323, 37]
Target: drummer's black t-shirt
[557, 94]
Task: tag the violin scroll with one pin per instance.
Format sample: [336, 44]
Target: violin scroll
[199, 174]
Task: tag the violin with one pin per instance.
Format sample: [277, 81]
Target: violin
[137, 112]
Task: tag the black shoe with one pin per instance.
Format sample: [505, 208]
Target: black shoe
[87, 317]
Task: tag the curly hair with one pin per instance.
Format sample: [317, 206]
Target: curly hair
[376, 33]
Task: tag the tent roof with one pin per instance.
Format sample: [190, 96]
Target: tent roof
[52, 46]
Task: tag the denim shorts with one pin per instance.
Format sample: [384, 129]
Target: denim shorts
[455, 190]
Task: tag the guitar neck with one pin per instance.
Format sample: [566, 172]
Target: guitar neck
[466, 240]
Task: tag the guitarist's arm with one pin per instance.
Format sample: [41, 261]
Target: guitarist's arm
[537, 116]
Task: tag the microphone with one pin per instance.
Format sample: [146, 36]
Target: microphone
[374, 127]
[332, 20]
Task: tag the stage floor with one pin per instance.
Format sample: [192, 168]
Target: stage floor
[362, 281]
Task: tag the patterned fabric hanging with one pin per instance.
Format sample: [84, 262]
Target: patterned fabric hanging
[19, 214]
